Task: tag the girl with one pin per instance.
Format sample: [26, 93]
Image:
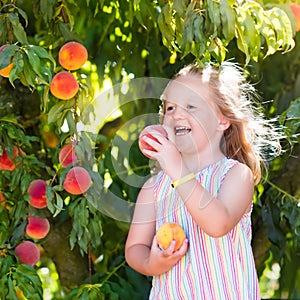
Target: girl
[210, 163]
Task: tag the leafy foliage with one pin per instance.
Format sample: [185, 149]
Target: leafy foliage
[125, 39]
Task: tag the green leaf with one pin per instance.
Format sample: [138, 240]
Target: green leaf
[228, 19]
[7, 54]
[57, 111]
[29, 282]
[18, 29]
[213, 10]
[11, 290]
[165, 21]
[42, 53]
[23, 14]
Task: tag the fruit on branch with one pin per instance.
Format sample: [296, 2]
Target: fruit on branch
[77, 181]
[296, 12]
[148, 131]
[168, 232]
[3, 201]
[67, 155]
[72, 56]
[6, 70]
[6, 163]
[37, 193]
[28, 253]
[37, 228]
[64, 85]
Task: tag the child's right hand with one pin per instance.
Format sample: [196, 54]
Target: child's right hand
[161, 261]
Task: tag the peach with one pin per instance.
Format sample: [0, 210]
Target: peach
[37, 193]
[168, 232]
[6, 163]
[28, 253]
[67, 155]
[64, 85]
[77, 181]
[50, 138]
[147, 131]
[296, 12]
[3, 201]
[72, 56]
[37, 228]
[6, 70]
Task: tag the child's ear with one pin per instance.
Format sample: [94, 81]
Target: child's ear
[223, 123]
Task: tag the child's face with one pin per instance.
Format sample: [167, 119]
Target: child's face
[191, 117]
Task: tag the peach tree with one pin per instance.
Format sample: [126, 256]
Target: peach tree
[79, 81]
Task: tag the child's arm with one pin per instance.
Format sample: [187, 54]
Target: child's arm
[141, 250]
[216, 216]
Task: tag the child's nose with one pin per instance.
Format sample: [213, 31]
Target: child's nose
[179, 113]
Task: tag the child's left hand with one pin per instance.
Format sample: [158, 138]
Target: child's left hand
[164, 260]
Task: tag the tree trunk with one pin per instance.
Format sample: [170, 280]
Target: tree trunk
[71, 266]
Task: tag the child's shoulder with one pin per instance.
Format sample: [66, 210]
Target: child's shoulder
[236, 169]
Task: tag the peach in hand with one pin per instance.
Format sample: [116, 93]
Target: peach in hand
[37, 193]
[72, 56]
[37, 228]
[77, 181]
[6, 70]
[169, 232]
[147, 131]
[28, 253]
[64, 85]
[67, 155]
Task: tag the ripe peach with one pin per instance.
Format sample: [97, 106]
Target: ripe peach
[5, 71]
[37, 228]
[64, 85]
[37, 193]
[147, 131]
[5, 161]
[77, 181]
[28, 253]
[296, 11]
[72, 56]
[67, 155]
[168, 232]
[50, 138]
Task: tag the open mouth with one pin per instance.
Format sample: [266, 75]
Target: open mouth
[182, 130]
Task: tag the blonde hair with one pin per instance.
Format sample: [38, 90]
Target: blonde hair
[251, 139]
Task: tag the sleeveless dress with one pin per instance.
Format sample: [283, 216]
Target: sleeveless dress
[213, 268]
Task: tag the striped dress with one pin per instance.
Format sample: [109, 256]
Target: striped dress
[213, 268]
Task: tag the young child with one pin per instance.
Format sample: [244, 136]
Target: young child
[210, 163]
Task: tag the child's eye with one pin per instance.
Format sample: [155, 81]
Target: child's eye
[170, 108]
[190, 107]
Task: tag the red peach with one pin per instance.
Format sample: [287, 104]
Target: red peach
[5, 161]
[77, 181]
[28, 253]
[5, 71]
[64, 85]
[296, 12]
[67, 155]
[37, 228]
[147, 131]
[72, 56]
[37, 193]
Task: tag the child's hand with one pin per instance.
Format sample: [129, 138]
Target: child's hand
[164, 151]
[162, 260]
